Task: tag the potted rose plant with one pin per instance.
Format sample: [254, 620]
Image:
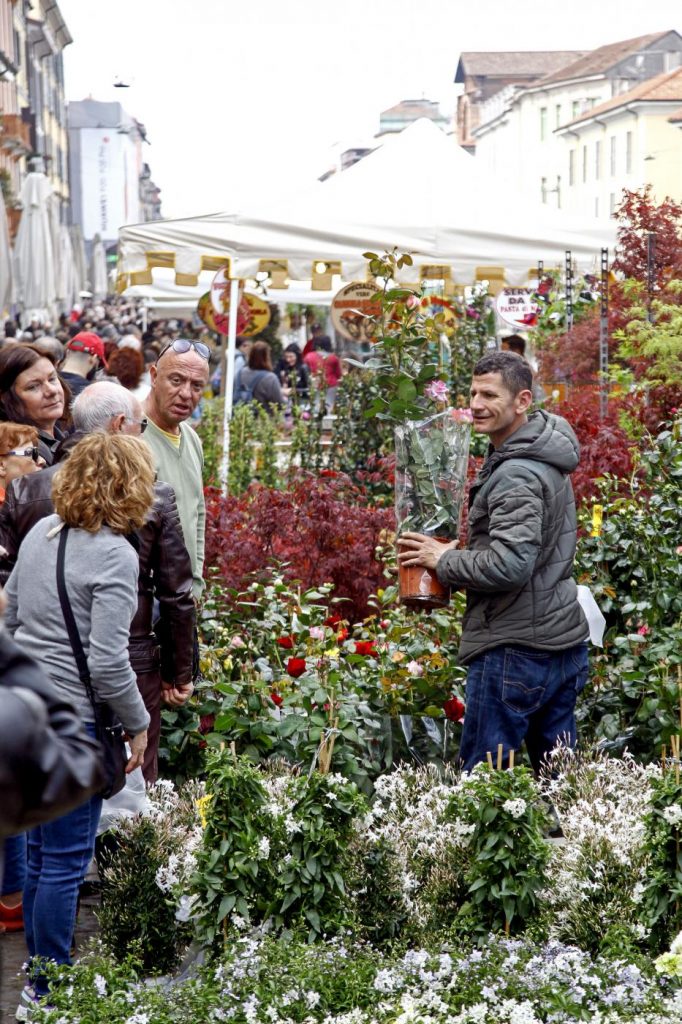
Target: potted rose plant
[431, 439]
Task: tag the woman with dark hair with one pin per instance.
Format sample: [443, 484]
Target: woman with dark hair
[32, 392]
[257, 380]
[293, 373]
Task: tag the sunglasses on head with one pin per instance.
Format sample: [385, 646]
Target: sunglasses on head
[29, 453]
[182, 345]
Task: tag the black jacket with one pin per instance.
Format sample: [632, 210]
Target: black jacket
[48, 763]
[165, 572]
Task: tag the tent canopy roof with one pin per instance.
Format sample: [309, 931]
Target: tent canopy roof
[419, 192]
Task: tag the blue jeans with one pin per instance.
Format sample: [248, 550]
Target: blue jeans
[58, 857]
[519, 693]
[14, 875]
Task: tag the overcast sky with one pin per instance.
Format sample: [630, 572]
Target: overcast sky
[247, 99]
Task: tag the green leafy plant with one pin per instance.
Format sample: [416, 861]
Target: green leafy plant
[508, 854]
[662, 890]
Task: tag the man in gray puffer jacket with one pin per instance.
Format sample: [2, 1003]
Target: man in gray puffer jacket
[524, 633]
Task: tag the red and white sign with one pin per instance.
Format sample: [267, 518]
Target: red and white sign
[518, 307]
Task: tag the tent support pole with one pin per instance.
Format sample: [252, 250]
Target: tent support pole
[228, 377]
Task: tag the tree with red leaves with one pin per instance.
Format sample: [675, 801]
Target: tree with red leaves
[638, 217]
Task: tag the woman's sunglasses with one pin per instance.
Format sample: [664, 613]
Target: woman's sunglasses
[182, 345]
[28, 453]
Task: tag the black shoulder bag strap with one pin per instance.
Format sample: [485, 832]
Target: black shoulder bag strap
[71, 627]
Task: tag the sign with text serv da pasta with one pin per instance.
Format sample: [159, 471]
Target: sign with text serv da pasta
[518, 307]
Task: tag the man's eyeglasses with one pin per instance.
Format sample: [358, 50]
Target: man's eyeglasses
[182, 345]
[28, 453]
[142, 424]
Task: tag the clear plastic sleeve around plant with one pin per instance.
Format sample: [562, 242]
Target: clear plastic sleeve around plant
[432, 456]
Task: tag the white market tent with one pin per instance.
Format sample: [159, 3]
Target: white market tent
[419, 191]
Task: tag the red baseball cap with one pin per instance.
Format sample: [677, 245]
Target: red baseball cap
[88, 341]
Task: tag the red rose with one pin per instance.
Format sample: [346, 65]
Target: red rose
[454, 709]
[287, 642]
[342, 634]
[296, 667]
[365, 647]
[276, 698]
[332, 619]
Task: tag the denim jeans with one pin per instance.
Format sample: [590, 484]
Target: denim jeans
[519, 693]
[14, 875]
[58, 857]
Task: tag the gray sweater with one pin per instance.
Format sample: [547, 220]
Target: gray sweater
[101, 581]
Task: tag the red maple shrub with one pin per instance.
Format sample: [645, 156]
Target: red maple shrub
[319, 527]
[638, 216]
[573, 356]
[605, 447]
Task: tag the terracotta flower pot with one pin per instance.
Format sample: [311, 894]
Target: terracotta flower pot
[420, 588]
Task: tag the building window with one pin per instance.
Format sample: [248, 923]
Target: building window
[543, 189]
[584, 163]
[557, 115]
[597, 160]
[612, 204]
[612, 160]
[571, 167]
[543, 123]
[575, 109]
[628, 152]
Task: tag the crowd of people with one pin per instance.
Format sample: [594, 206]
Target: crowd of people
[102, 522]
[101, 557]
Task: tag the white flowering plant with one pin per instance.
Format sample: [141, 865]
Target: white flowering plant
[261, 979]
[145, 866]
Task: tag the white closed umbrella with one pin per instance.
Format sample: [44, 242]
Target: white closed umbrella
[98, 270]
[6, 259]
[34, 251]
[67, 292]
[79, 260]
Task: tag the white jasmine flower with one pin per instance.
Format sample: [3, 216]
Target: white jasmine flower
[263, 848]
[672, 814]
[100, 984]
[514, 807]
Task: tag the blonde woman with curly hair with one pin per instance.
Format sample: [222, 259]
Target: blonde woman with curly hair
[102, 493]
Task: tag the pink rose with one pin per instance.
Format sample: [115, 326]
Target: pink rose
[317, 632]
[414, 668]
[412, 302]
[643, 630]
[462, 415]
[437, 390]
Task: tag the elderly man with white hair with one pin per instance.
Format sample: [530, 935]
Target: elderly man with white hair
[165, 567]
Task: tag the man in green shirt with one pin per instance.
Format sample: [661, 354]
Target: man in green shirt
[178, 381]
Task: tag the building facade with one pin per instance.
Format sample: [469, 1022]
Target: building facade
[33, 36]
[487, 75]
[519, 134]
[111, 184]
[629, 141]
